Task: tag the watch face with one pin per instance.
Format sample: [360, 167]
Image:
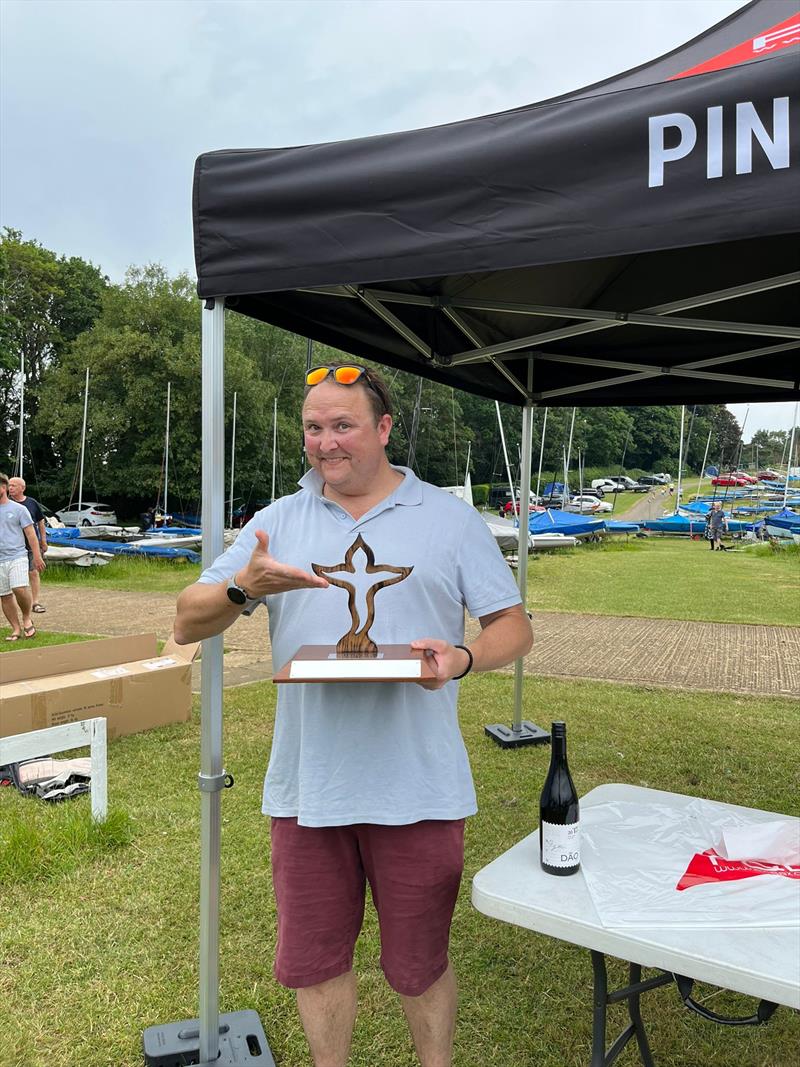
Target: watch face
[237, 595]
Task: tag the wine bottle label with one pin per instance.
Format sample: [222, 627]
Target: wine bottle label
[561, 845]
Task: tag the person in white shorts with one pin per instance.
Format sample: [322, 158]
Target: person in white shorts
[16, 490]
[16, 537]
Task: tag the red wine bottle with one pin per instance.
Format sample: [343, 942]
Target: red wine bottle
[559, 825]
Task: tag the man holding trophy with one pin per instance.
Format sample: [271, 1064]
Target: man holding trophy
[368, 778]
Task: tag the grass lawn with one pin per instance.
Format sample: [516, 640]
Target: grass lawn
[127, 575]
[669, 578]
[39, 641]
[661, 577]
[97, 948]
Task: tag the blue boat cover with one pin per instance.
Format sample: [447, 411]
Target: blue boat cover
[785, 520]
[699, 507]
[618, 526]
[120, 548]
[681, 524]
[553, 521]
[675, 524]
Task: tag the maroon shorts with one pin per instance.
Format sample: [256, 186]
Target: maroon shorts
[320, 876]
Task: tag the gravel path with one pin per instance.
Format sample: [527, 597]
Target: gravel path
[728, 657]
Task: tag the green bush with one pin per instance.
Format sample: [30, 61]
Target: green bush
[480, 494]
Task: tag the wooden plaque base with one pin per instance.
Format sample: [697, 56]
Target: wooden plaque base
[322, 663]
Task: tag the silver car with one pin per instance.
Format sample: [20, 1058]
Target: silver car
[88, 514]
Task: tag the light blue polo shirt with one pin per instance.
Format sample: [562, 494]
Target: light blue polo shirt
[14, 518]
[389, 752]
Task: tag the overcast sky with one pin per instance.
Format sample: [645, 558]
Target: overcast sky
[105, 105]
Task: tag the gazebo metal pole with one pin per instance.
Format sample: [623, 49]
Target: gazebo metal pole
[221, 1041]
[210, 780]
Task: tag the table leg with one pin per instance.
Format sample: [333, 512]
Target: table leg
[636, 1017]
[631, 993]
[599, 1010]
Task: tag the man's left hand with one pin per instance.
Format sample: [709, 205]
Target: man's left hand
[39, 563]
[446, 660]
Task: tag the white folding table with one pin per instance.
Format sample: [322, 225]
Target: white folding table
[760, 961]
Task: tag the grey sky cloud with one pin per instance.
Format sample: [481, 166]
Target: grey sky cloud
[105, 105]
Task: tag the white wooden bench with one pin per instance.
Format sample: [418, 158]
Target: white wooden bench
[91, 732]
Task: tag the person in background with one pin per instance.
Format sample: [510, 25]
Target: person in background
[16, 490]
[16, 537]
[366, 782]
[717, 522]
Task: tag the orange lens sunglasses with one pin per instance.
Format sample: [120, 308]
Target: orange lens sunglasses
[342, 375]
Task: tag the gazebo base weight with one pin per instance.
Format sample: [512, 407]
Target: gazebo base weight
[528, 734]
[242, 1043]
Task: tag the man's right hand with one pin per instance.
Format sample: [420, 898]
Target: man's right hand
[205, 609]
[264, 575]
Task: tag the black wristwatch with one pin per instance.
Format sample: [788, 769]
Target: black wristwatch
[236, 594]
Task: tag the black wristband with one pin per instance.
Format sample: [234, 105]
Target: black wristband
[469, 665]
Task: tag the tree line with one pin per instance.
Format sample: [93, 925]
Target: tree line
[60, 315]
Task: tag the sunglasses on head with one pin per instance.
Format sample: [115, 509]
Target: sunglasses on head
[348, 375]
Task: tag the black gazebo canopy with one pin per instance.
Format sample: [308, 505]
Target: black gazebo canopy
[633, 242]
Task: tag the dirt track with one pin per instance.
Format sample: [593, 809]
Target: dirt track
[659, 652]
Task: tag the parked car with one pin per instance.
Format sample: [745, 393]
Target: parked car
[623, 484]
[90, 514]
[728, 479]
[508, 508]
[498, 495]
[587, 504]
[650, 480]
[749, 479]
[769, 476]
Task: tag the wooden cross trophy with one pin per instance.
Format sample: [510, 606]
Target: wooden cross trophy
[356, 657]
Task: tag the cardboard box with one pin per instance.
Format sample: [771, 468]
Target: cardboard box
[122, 678]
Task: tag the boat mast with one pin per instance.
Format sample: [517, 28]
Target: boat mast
[680, 462]
[541, 456]
[564, 494]
[83, 438]
[233, 455]
[705, 459]
[508, 465]
[309, 356]
[166, 454]
[412, 440]
[791, 453]
[274, 445]
[569, 450]
[21, 413]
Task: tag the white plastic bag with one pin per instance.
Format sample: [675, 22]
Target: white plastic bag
[634, 856]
